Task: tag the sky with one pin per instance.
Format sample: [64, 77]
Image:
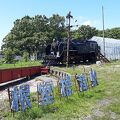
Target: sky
[86, 12]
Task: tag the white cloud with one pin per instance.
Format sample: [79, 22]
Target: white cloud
[81, 20]
[88, 22]
[97, 23]
[93, 23]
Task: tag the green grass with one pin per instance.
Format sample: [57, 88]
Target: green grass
[115, 107]
[79, 105]
[73, 107]
[20, 64]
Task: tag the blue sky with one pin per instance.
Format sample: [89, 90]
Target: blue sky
[84, 11]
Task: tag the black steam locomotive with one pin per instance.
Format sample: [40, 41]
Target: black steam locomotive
[79, 52]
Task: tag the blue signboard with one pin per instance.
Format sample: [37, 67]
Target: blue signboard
[68, 77]
[82, 82]
[45, 91]
[93, 77]
[20, 96]
[66, 86]
[15, 99]
[24, 92]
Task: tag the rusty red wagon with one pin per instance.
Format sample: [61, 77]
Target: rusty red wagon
[7, 75]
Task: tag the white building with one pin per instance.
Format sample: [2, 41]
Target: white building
[112, 47]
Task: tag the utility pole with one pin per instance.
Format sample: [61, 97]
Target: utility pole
[69, 16]
[103, 30]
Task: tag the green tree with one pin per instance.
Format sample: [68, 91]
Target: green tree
[85, 32]
[57, 27]
[9, 56]
[26, 56]
[30, 34]
[110, 33]
[113, 33]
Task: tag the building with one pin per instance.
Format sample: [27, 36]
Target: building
[112, 47]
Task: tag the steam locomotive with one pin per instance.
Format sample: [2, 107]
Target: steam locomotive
[79, 52]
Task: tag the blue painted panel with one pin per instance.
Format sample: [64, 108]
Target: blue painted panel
[62, 87]
[93, 77]
[45, 90]
[82, 82]
[15, 99]
[66, 86]
[24, 92]
[68, 77]
[20, 96]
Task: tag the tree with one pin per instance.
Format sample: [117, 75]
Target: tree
[85, 32]
[26, 56]
[57, 27]
[110, 33]
[113, 33]
[9, 56]
[30, 34]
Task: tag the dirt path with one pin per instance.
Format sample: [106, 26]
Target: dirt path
[98, 113]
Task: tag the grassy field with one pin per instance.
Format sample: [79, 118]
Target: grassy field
[20, 64]
[99, 103]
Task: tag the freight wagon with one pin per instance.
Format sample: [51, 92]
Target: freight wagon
[7, 75]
